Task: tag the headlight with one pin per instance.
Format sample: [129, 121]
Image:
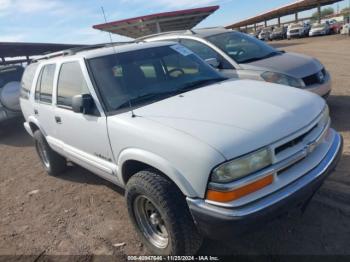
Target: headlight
[241, 167]
[282, 79]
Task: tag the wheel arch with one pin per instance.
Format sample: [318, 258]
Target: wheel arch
[34, 125]
[133, 160]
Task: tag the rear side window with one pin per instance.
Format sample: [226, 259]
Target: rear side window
[71, 82]
[44, 85]
[27, 80]
[47, 83]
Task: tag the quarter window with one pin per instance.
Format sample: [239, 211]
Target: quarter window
[27, 80]
[71, 82]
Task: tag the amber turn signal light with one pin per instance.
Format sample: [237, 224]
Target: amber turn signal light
[239, 192]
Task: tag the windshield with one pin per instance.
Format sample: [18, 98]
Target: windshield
[144, 76]
[295, 26]
[241, 47]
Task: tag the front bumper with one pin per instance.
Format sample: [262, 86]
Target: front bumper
[323, 89]
[223, 223]
[316, 33]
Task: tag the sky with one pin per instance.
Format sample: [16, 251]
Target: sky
[70, 21]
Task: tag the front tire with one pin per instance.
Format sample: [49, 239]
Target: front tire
[53, 163]
[159, 212]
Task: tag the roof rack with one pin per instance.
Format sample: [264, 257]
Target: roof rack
[141, 39]
[75, 50]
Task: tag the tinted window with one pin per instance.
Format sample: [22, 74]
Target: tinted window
[205, 52]
[27, 80]
[71, 82]
[46, 86]
[144, 76]
[37, 87]
[9, 74]
[241, 47]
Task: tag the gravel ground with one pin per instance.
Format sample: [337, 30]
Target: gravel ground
[80, 214]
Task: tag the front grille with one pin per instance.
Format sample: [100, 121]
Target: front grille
[295, 31]
[315, 78]
[294, 142]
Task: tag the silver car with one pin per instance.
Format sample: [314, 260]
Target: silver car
[319, 29]
[239, 55]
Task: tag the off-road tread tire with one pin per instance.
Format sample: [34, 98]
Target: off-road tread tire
[57, 163]
[184, 237]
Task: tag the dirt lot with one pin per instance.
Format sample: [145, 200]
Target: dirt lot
[79, 213]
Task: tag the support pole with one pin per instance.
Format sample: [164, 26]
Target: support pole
[279, 21]
[319, 13]
[296, 17]
[265, 23]
[158, 27]
[255, 26]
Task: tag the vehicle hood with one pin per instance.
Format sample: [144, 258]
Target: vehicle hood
[292, 64]
[238, 116]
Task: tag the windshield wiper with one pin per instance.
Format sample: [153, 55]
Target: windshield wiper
[156, 96]
[274, 53]
[137, 100]
[199, 83]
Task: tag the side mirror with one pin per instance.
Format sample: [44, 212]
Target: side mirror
[213, 62]
[83, 104]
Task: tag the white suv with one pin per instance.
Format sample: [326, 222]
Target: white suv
[198, 155]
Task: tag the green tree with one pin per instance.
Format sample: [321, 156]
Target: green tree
[345, 11]
[324, 12]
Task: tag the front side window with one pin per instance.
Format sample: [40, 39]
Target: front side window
[144, 76]
[71, 82]
[205, 52]
[241, 47]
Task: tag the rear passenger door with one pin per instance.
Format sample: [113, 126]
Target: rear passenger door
[43, 108]
[83, 138]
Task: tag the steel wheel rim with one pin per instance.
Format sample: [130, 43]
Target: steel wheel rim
[43, 154]
[150, 222]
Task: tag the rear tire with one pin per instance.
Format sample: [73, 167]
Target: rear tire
[53, 163]
[176, 233]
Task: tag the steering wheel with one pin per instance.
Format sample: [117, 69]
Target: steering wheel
[239, 51]
[181, 71]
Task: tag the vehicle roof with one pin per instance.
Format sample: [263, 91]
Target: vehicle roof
[107, 50]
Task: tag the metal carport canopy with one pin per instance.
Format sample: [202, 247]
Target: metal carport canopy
[17, 49]
[295, 7]
[157, 23]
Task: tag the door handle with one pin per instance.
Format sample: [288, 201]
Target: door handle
[58, 120]
[36, 112]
